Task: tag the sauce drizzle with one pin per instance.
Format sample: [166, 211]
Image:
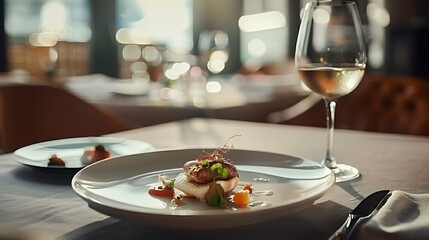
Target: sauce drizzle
[263, 192]
[259, 203]
[261, 179]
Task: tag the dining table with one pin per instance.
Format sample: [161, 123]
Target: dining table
[43, 205]
[251, 97]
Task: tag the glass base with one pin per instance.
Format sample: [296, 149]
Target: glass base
[345, 173]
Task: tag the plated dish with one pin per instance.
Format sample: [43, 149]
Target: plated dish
[71, 150]
[119, 187]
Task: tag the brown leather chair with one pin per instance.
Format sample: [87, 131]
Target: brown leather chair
[381, 103]
[31, 113]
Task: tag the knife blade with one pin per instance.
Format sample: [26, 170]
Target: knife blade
[365, 208]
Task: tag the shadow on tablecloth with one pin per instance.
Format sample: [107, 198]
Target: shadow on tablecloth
[44, 176]
[315, 222]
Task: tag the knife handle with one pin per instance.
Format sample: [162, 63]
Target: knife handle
[343, 231]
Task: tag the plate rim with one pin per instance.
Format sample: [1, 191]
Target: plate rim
[156, 220]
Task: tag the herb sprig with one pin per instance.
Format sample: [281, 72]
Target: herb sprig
[216, 195]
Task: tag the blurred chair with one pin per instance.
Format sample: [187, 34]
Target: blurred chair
[381, 103]
[31, 113]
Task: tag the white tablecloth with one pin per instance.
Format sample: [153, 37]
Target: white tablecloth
[44, 202]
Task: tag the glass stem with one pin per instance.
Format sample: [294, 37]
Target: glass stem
[329, 160]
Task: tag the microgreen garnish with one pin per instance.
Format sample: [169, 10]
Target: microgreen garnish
[166, 183]
[205, 163]
[218, 171]
[170, 183]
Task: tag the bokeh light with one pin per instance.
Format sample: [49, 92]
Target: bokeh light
[131, 52]
[213, 87]
[256, 47]
[262, 21]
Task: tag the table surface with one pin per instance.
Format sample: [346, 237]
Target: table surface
[44, 202]
[241, 97]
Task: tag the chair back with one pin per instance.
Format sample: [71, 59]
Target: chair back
[31, 113]
[381, 103]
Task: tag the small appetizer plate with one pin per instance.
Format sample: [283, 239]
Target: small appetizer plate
[70, 150]
[119, 187]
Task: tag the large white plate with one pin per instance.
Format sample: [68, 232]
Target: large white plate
[118, 187]
[71, 150]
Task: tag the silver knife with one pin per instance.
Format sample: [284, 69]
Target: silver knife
[365, 208]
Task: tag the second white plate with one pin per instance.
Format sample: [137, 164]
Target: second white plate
[72, 149]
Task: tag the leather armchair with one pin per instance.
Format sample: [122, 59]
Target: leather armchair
[381, 103]
[31, 113]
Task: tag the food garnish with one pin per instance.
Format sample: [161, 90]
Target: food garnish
[216, 196]
[100, 153]
[162, 192]
[94, 153]
[248, 187]
[54, 160]
[241, 198]
[165, 189]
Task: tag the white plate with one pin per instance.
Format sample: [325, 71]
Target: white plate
[71, 150]
[118, 187]
[130, 87]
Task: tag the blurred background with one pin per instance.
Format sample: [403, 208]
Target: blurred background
[55, 39]
[154, 61]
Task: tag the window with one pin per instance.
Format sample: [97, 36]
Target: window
[156, 22]
[145, 29]
[48, 38]
[69, 20]
[264, 32]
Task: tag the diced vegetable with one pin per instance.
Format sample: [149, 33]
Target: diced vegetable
[241, 197]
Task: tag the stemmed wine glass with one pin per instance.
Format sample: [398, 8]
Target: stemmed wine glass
[330, 58]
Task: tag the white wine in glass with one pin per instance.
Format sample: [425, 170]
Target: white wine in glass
[330, 58]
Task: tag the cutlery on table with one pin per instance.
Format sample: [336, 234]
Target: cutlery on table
[366, 208]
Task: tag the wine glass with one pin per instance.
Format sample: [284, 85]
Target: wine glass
[330, 58]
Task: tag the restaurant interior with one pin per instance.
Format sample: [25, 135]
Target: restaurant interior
[185, 74]
[247, 46]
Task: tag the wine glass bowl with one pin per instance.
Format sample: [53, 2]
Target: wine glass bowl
[330, 58]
